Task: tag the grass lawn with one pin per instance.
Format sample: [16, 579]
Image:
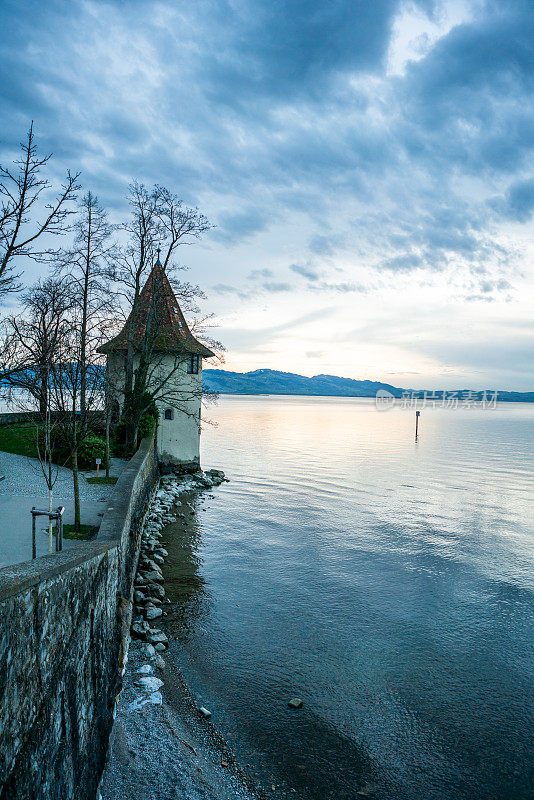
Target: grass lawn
[85, 532]
[19, 439]
[111, 481]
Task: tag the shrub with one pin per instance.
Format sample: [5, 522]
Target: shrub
[90, 449]
[146, 426]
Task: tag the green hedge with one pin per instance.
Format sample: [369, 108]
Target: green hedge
[91, 448]
[22, 440]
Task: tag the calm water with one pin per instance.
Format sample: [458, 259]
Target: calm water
[387, 583]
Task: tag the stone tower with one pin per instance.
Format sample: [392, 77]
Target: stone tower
[174, 359]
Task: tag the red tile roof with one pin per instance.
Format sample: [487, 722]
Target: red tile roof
[170, 330]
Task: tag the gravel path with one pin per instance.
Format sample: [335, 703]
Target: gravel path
[23, 487]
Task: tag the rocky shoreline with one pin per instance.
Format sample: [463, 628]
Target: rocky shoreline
[161, 750]
[149, 593]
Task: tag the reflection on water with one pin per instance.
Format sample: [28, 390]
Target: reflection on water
[388, 583]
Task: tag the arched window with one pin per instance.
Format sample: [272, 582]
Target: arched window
[169, 413]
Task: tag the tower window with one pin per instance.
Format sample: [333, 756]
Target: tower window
[193, 365]
[169, 413]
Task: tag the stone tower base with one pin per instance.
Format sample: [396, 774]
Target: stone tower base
[171, 466]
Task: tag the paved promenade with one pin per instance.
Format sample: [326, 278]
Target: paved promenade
[23, 487]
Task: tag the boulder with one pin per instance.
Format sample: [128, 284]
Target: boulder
[296, 702]
[139, 630]
[156, 590]
[149, 683]
[153, 576]
[151, 612]
[155, 637]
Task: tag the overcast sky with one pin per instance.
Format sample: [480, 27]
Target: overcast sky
[367, 163]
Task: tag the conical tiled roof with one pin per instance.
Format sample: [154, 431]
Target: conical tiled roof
[170, 331]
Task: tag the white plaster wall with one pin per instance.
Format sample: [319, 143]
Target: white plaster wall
[178, 439]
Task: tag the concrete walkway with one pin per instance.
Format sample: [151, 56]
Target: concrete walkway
[24, 486]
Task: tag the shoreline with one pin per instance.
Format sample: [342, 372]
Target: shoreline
[160, 744]
[165, 750]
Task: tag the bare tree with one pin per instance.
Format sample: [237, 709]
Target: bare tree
[78, 376]
[159, 222]
[85, 275]
[68, 374]
[136, 259]
[21, 190]
[45, 429]
[31, 347]
[53, 359]
[31, 339]
[50, 470]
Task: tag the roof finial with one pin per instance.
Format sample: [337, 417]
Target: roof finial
[158, 262]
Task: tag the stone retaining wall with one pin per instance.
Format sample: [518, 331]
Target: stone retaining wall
[64, 622]
[16, 417]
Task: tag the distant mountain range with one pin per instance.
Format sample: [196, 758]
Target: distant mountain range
[270, 381]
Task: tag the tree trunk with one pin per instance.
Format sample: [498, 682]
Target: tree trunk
[107, 440]
[50, 535]
[85, 301]
[43, 392]
[131, 435]
[76, 479]
[49, 482]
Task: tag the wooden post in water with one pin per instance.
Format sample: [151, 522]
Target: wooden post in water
[417, 415]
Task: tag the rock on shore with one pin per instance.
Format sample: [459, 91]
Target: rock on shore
[155, 752]
[159, 754]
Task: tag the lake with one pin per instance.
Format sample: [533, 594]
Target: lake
[386, 582]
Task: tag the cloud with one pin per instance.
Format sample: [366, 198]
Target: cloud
[274, 287]
[225, 289]
[284, 123]
[239, 226]
[271, 287]
[326, 245]
[341, 287]
[518, 203]
[258, 274]
[489, 290]
[305, 271]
